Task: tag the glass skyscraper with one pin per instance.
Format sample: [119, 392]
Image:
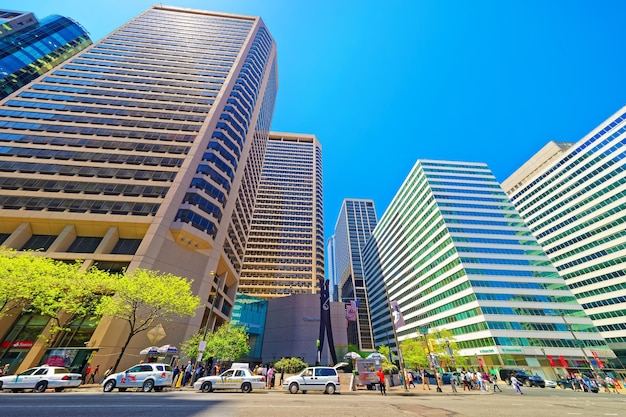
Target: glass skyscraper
[454, 253]
[576, 208]
[356, 221]
[29, 47]
[143, 151]
[285, 248]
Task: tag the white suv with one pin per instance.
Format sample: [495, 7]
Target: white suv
[147, 376]
[317, 378]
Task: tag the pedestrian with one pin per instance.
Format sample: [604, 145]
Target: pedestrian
[198, 373]
[282, 376]
[425, 382]
[187, 375]
[1, 371]
[409, 379]
[270, 377]
[515, 383]
[175, 375]
[494, 382]
[5, 370]
[453, 383]
[92, 379]
[439, 379]
[86, 373]
[218, 368]
[381, 382]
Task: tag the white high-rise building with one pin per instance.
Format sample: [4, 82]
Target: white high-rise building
[454, 253]
[576, 208]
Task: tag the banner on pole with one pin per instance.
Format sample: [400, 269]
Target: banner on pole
[398, 320]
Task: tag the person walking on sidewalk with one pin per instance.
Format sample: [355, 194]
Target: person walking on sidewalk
[515, 383]
[92, 379]
[424, 379]
[381, 381]
[494, 382]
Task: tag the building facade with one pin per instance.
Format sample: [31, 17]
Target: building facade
[454, 253]
[143, 151]
[356, 221]
[251, 312]
[576, 208]
[29, 47]
[285, 249]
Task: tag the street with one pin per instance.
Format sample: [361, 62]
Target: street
[261, 403]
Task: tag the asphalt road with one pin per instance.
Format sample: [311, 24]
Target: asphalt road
[535, 402]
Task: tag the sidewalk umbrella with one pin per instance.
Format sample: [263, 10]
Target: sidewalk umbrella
[376, 355]
[168, 349]
[352, 355]
[152, 350]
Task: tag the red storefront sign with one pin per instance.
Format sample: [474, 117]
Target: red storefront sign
[551, 360]
[17, 344]
[563, 361]
[480, 362]
[595, 356]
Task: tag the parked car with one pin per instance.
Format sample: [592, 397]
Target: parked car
[317, 378]
[238, 377]
[550, 383]
[589, 386]
[41, 378]
[524, 378]
[446, 377]
[147, 376]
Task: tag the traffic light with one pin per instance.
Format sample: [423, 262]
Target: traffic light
[431, 344]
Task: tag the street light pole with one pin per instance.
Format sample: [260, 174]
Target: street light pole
[395, 336]
[202, 344]
[578, 342]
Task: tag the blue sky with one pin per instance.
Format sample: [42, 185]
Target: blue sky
[383, 84]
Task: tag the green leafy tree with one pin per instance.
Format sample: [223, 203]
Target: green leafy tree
[228, 343]
[291, 365]
[65, 293]
[143, 296]
[18, 274]
[440, 343]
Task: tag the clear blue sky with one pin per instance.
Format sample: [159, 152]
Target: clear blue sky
[384, 83]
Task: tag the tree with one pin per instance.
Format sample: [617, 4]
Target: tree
[65, 293]
[229, 342]
[291, 365]
[143, 296]
[441, 343]
[18, 274]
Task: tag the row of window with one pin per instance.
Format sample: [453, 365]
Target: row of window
[87, 171]
[79, 206]
[108, 188]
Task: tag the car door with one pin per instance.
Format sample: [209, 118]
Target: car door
[25, 379]
[129, 379]
[227, 379]
[308, 379]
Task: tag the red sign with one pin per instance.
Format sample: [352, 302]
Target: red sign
[562, 361]
[595, 355]
[480, 362]
[551, 361]
[18, 344]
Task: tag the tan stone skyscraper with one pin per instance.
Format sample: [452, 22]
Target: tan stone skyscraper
[285, 251]
[145, 150]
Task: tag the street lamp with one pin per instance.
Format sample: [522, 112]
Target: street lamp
[579, 343]
[395, 336]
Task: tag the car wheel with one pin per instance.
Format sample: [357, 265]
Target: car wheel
[109, 385]
[330, 389]
[58, 389]
[148, 386]
[293, 388]
[206, 387]
[562, 386]
[246, 387]
[41, 386]
[527, 383]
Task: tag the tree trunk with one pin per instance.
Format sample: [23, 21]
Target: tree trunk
[119, 358]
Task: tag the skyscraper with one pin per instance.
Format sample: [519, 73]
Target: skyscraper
[285, 250]
[356, 221]
[455, 254]
[29, 48]
[576, 208]
[143, 151]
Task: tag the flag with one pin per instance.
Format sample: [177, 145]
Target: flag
[398, 320]
[352, 310]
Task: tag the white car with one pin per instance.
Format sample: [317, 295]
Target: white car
[318, 378]
[146, 376]
[235, 378]
[41, 378]
[550, 383]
